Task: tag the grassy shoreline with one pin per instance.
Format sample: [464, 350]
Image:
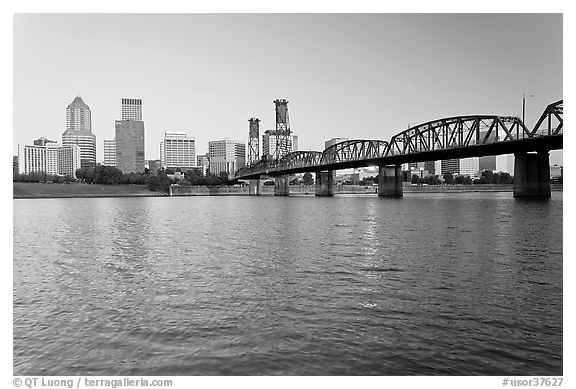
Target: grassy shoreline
[24, 190]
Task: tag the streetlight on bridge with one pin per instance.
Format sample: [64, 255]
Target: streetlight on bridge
[524, 107]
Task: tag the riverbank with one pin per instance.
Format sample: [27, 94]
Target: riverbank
[25, 190]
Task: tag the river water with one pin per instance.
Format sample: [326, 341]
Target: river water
[430, 284]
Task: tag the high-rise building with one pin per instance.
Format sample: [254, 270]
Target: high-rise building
[333, 141]
[79, 131]
[110, 152]
[270, 143]
[132, 109]
[130, 137]
[226, 156]
[130, 146]
[178, 151]
[52, 158]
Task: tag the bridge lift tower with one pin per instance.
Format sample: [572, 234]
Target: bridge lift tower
[283, 143]
[254, 143]
[283, 140]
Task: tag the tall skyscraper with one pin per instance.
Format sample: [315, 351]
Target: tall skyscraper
[178, 151]
[110, 152]
[226, 156]
[130, 137]
[78, 116]
[132, 109]
[79, 131]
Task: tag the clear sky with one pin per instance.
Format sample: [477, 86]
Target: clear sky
[345, 75]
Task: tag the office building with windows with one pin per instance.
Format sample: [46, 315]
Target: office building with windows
[51, 158]
[132, 109]
[226, 156]
[178, 151]
[110, 152]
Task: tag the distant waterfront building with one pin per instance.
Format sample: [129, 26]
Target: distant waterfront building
[556, 171]
[132, 109]
[130, 137]
[52, 158]
[110, 152]
[203, 162]
[226, 156]
[270, 143]
[79, 131]
[505, 163]
[178, 151]
[450, 165]
[469, 166]
[460, 166]
[15, 162]
[430, 167]
[333, 141]
[487, 163]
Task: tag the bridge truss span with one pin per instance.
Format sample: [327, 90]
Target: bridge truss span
[446, 138]
[552, 118]
[354, 150]
[299, 159]
[459, 131]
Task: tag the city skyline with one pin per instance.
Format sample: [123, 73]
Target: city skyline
[364, 82]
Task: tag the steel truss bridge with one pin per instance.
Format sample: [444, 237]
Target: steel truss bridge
[446, 138]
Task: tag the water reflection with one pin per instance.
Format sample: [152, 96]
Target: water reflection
[427, 284]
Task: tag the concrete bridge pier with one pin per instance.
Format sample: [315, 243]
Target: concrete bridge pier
[281, 187]
[532, 175]
[390, 181]
[254, 187]
[325, 184]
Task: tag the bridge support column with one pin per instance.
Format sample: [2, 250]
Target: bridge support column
[390, 181]
[281, 187]
[532, 175]
[254, 187]
[325, 184]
